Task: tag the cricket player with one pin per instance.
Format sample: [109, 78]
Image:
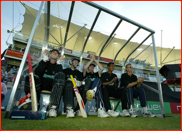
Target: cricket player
[48, 76]
[83, 87]
[132, 85]
[95, 88]
[110, 89]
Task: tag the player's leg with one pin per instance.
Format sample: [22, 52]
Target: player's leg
[131, 101]
[96, 84]
[122, 95]
[96, 92]
[143, 102]
[106, 94]
[68, 98]
[56, 93]
[100, 103]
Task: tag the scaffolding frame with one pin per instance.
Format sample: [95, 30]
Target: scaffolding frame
[100, 8]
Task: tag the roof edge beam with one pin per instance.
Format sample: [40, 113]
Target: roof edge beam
[117, 15]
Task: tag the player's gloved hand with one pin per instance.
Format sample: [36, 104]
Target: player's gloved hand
[83, 82]
[61, 59]
[45, 57]
[59, 62]
[78, 83]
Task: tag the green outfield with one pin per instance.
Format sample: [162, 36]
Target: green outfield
[94, 123]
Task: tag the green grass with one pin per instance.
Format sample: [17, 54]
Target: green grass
[94, 123]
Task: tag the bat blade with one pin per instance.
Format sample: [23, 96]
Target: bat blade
[79, 98]
[32, 85]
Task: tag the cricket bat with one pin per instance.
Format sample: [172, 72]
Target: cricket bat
[79, 98]
[32, 85]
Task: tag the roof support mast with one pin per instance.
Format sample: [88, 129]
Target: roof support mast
[68, 25]
[15, 86]
[47, 23]
[109, 38]
[97, 16]
[126, 43]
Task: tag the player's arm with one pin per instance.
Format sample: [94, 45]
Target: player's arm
[107, 83]
[115, 82]
[125, 83]
[86, 66]
[140, 79]
[100, 66]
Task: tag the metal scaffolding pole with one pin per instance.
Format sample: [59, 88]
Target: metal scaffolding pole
[117, 15]
[109, 42]
[137, 47]
[158, 78]
[126, 43]
[68, 25]
[168, 54]
[12, 96]
[97, 16]
[142, 51]
[76, 32]
[172, 61]
[109, 38]
[47, 30]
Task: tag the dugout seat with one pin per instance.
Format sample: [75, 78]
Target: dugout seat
[44, 98]
[115, 99]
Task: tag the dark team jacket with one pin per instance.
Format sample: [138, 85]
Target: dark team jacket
[106, 77]
[92, 76]
[47, 68]
[76, 74]
[126, 79]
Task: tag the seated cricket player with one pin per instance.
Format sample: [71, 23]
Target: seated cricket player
[132, 85]
[68, 96]
[95, 90]
[48, 76]
[110, 89]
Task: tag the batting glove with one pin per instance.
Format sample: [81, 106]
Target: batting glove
[59, 62]
[45, 58]
[78, 83]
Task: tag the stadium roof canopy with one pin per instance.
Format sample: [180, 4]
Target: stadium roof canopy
[108, 37]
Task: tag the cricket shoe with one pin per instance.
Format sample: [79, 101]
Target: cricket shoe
[113, 113]
[26, 99]
[102, 113]
[78, 113]
[148, 114]
[132, 113]
[52, 112]
[70, 113]
[90, 95]
[125, 113]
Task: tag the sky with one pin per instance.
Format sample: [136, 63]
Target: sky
[156, 15]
